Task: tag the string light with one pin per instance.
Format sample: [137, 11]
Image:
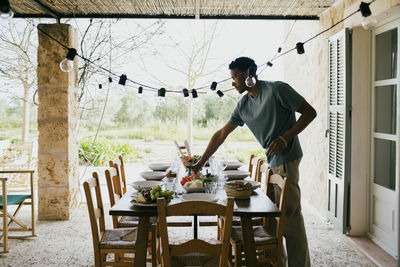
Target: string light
[110, 80]
[161, 95]
[186, 98]
[300, 48]
[251, 76]
[5, 10]
[194, 93]
[140, 91]
[368, 21]
[122, 80]
[250, 81]
[67, 64]
[100, 86]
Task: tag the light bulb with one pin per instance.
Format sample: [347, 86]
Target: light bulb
[160, 100]
[210, 93]
[67, 65]
[301, 59]
[7, 15]
[250, 81]
[369, 22]
[186, 101]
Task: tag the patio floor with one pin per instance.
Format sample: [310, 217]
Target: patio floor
[69, 243]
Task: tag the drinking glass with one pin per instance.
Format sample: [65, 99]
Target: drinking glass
[170, 184]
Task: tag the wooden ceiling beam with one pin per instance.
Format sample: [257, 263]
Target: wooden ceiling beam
[46, 9]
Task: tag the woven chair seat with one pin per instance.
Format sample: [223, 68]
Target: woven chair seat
[131, 221]
[262, 236]
[119, 238]
[254, 221]
[13, 199]
[195, 259]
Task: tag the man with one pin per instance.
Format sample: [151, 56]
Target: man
[268, 109]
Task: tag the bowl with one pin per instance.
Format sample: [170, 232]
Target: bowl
[159, 166]
[143, 184]
[238, 189]
[149, 175]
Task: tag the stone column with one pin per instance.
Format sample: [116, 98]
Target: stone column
[57, 124]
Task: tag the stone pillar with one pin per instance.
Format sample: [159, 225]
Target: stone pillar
[57, 124]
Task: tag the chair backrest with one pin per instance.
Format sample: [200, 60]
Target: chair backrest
[272, 182]
[221, 248]
[3, 212]
[96, 214]
[114, 189]
[184, 147]
[119, 165]
[254, 168]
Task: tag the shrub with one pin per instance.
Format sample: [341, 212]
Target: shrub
[104, 150]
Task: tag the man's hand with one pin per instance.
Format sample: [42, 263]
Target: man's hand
[196, 168]
[276, 146]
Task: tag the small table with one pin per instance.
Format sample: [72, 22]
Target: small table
[258, 205]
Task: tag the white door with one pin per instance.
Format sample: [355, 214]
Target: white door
[339, 100]
[385, 138]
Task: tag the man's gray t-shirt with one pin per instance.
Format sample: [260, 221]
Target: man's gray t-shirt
[269, 115]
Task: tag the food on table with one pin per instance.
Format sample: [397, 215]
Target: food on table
[197, 181]
[239, 185]
[170, 174]
[189, 178]
[149, 195]
[189, 161]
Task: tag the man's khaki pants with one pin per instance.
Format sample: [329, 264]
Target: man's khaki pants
[294, 231]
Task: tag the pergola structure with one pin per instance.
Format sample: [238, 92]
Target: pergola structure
[57, 90]
[203, 9]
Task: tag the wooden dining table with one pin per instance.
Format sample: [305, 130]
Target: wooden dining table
[258, 205]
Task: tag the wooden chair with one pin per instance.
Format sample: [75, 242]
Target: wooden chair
[3, 212]
[268, 240]
[195, 249]
[119, 165]
[118, 241]
[19, 200]
[115, 193]
[185, 147]
[254, 165]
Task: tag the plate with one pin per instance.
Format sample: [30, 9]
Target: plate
[231, 164]
[159, 166]
[194, 189]
[236, 174]
[146, 205]
[149, 175]
[142, 184]
[199, 197]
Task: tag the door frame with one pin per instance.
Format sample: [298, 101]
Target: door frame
[385, 25]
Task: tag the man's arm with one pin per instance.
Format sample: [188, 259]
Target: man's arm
[308, 114]
[216, 140]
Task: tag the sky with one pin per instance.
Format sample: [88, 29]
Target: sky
[258, 39]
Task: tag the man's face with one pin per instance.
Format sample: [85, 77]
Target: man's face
[239, 78]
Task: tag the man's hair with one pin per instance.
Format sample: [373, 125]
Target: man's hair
[242, 63]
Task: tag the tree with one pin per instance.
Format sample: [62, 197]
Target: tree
[18, 63]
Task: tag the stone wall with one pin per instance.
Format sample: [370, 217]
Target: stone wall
[57, 124]
[310, 78]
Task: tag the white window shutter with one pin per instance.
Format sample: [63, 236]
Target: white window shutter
[339, 102]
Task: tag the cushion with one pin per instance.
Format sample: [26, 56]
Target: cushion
[195, 259]
[119, 238]
[262, 236]
[130, 221]
[13, 199]
[255, 220]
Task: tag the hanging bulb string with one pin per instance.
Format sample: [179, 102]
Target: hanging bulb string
[150, 88]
